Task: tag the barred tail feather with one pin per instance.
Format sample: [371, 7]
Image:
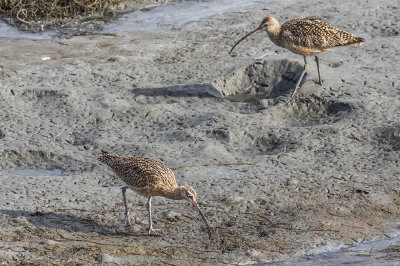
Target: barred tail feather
[355, 42]
[105, 158]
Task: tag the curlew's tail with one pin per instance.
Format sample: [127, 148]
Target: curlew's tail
[356, 41]
[104, 152]
[106, 157]
[115, 162]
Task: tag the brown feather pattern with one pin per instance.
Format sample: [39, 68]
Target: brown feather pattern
[313, 36]
[314, 33]
[146, 176]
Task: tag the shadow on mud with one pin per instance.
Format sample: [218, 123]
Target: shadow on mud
[59, 221]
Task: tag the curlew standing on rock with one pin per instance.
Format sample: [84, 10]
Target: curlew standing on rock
[149, 178]
[305, 36]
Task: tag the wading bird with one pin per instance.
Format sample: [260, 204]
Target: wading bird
[306, 37]
[149, 178]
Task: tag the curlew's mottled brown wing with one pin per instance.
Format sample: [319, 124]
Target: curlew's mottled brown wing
[145, 175]
[314, 34]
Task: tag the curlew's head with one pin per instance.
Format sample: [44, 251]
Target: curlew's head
[188, 193]
[269, 24]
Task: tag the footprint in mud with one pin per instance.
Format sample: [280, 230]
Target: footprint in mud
[222, 134]
[36, 94]
[309, 111]
[335, 64]
[271, 144]
[389, 138]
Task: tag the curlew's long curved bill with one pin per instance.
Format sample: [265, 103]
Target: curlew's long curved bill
[247, 35]
[203, 217]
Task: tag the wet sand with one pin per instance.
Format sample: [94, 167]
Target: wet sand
[327, 162]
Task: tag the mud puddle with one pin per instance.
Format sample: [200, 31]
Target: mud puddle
[381, 252]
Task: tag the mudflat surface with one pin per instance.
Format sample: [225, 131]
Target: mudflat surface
[326, 170]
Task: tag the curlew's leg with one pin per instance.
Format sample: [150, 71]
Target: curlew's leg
[301, 77]
[319, 75]
[150, 222]
[127, 221]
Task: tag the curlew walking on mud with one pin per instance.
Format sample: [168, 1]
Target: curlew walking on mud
[306, 37]
[149, 178]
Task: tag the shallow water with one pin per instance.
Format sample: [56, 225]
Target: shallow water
[7, 31]
[381, 252]
[176, 15]
[37, 172]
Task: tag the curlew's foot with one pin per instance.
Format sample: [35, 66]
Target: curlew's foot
[127, 220]
[154, 231]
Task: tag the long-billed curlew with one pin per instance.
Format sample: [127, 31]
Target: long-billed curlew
[305, 36]
[149, 178]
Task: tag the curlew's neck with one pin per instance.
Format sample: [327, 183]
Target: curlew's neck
[273, 29]
[174, 194]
